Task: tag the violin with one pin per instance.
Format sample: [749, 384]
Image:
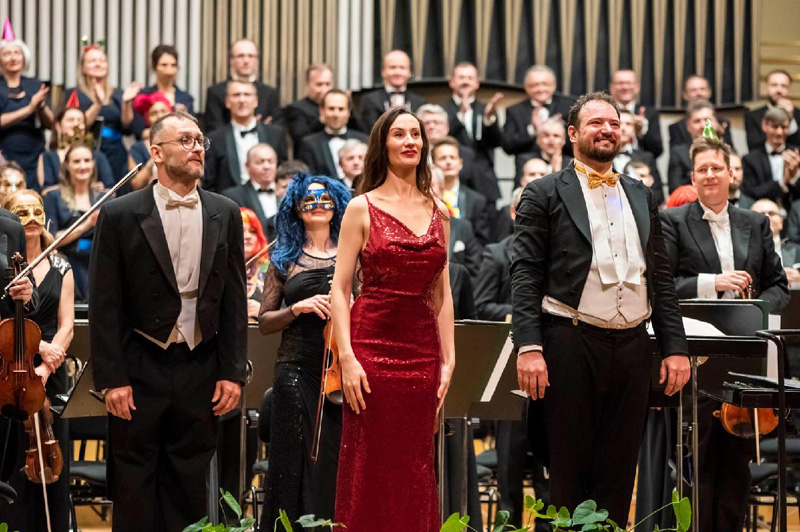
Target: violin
[20, 387]
[746, 422]
[43, 459]
[330, 384]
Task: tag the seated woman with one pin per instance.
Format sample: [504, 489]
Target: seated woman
[164, 62]
[70, 128]
[255, 243]
[149, 107]
[12, 178]
[65, 203]
[55, 317]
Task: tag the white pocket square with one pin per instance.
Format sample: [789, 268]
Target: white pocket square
[459, 246]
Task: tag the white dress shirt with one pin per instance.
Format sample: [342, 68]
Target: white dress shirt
[623, 159]
[268, 199]
[182, 219]
[397, 97]
[243, 145]
[334, 145]
[544, 113]
[720, 225]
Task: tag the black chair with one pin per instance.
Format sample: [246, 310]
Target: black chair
[255, 495]
[487, 484]
[7, 493]
[88, 482]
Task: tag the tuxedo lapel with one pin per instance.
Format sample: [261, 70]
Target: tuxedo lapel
[324, 151]
[233, 156]
[211, 227]
[569, 189]
[153, 229]
[252, 199]
[740, 237]
[701, 233]
[637, 198]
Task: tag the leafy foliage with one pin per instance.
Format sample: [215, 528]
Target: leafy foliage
[203, 525]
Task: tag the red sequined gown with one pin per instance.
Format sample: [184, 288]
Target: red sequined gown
[386, 480]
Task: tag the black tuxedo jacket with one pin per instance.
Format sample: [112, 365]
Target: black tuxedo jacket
[758, 182]
[651, 142]
[377, 102]
[315, 152]
[222, 160]
[552, 254]
[679, 171]
[647, 158]
[464, 247]
[246, 196]
[133, 286]
[691, 250]
[493, 287]
[484, 178]
[756, 137]
[217, 114]
[473, 207]
[461, 288]
[791, 225]
[678, 134]
[790, 253]
[302, 118]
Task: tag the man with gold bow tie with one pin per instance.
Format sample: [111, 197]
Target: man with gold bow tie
[589, 269]
[717, 251]
[168, 330]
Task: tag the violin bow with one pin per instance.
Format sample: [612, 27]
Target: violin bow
[36, 428]
[32, 264]
[260, 254]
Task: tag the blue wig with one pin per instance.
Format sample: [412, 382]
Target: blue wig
[291, 233]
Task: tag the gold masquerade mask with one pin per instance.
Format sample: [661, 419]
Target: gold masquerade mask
[29, 212]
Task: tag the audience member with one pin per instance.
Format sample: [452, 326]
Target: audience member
[680, 196]
[779, 84]
[302, 116]
[534, 169]
[735, 196]
[524, 120]
[286, 172]
[254, 243]
[351, 160]
[475, 124]
[395, 71]
[227, 155]
[164, 62]
[68, 201]
[243, 66]
[629, 153]
[788, 251]
[550, 143]
[696, 88]
[320, 150]
[12, 178]
[625, 88]
[680, 166]
[23, 111]
[258, 193]
[69, 130]
[771, 170]
[150, 107]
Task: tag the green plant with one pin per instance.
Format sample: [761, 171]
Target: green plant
[204, 526]
[306, 521]
[4, 527]
[585, 518]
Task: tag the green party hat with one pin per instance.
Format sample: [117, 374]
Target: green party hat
[709, 132]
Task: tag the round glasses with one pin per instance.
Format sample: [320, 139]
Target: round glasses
[188, 143]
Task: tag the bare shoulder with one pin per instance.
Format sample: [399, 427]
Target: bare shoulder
[443, 210]
[357, 205]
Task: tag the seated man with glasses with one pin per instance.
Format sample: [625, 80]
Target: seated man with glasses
[168, 331]
[718, 251]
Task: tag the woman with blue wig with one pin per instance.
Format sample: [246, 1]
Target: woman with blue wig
[296, 301]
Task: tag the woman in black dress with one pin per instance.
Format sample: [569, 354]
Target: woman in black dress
[65, 203]
[164, 62]
[55, 316]
[296, 301]
[23, 111]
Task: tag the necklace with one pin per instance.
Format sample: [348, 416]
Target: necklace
[307, 254]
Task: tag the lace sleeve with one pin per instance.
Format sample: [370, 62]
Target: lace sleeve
[271, 317]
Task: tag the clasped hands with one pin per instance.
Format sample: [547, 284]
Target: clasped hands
[119, 401]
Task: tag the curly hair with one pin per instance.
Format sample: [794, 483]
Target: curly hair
[291, 233]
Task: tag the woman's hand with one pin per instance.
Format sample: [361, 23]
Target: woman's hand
[445, 374]
[52, 355]
[131, 91]
[37, 100]
[43, 372]
[253, 307]
[353, 377]
[319, 304]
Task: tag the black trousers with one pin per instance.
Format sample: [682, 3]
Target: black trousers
[594, 412]
[159, 459]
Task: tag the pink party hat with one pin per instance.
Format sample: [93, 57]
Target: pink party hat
[8, 31]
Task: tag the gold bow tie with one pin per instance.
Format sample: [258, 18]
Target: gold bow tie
[595, 180]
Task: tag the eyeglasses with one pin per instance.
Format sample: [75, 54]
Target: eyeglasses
[715, 171]
[188, 143]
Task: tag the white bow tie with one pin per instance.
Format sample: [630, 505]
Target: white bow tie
[190, 202]
[721, 218]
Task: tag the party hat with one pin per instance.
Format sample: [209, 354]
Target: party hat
[8, 32]
[73, 102]
[709, 132]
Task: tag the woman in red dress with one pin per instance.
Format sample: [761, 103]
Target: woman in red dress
[396, 346]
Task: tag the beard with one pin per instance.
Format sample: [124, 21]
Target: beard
[182, 172]
[603, 155]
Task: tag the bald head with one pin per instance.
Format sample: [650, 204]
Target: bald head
[396, 69]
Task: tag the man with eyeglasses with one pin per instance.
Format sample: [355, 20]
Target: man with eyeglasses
[718, 251]
[168, 331]
[243, 63]
[772, 170]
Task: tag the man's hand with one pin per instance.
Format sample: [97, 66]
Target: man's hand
[532, 374]
[226, 395]
[786, 104]
[21, 290]
[791, 164]
[792, 275]
[119, 401]
[536, 119]
[491, 105]
[638, 121]
[735, 280]
[675, 372]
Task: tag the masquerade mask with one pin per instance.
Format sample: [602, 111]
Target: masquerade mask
[317, 198]
[29, 212]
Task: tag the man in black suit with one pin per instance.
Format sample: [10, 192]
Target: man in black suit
[524, 120]
[225, 167]
[736, 197]
[474, 124]
[351, 161]
[696, 88]
[243, 63]
[168, 331]
[571, 319]
[320, 150]
[773, 169]
[625, 89]
[302, 116]
[462, 201]
[788, 251]
[779, 86]
[395, 71]
[718, 251]
[679, 170]
[259, 194]
[629, 153]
